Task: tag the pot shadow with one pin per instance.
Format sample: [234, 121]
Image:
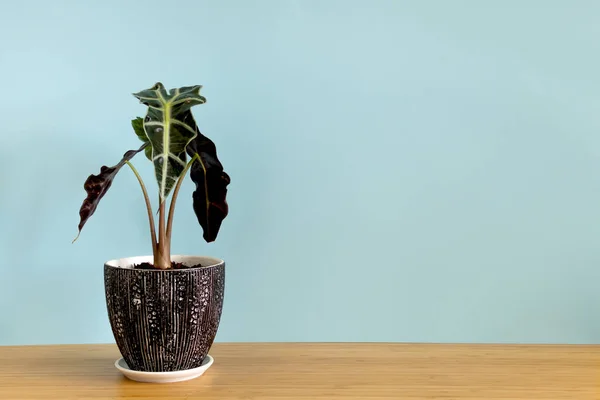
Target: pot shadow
[80, 371]
[74, 365]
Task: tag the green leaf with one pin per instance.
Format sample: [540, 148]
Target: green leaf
[138, 128]
[96, 186]
[167, 132]
[209, 198]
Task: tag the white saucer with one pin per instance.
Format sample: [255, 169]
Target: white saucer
[163, 377]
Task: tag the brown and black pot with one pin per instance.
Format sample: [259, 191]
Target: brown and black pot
[164, 320]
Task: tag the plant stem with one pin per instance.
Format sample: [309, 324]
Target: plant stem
[162, 256]
[148, 207]
[174, 198]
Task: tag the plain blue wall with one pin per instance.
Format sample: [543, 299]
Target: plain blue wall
[401, 170]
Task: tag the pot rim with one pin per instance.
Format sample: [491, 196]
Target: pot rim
[127, 262]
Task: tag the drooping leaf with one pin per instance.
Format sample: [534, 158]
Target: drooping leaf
[209, 198]
[96, 186]
[167, 132]
[138, 128]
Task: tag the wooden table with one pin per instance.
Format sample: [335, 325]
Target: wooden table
[316, 372]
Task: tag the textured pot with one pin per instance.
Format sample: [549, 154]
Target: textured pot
[164, 320]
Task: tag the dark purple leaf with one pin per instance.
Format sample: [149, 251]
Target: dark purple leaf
[96, 186]
[209, 198]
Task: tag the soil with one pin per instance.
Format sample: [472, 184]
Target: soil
[174, 265]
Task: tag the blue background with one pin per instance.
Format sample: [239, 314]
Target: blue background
[401, 170]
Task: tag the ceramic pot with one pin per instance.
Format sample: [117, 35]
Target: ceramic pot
[164, 320]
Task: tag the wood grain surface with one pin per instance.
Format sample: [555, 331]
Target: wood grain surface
[317, 372]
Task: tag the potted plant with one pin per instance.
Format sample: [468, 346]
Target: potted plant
[165, 309]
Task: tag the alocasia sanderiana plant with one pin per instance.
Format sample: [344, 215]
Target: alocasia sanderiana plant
[173, 143]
